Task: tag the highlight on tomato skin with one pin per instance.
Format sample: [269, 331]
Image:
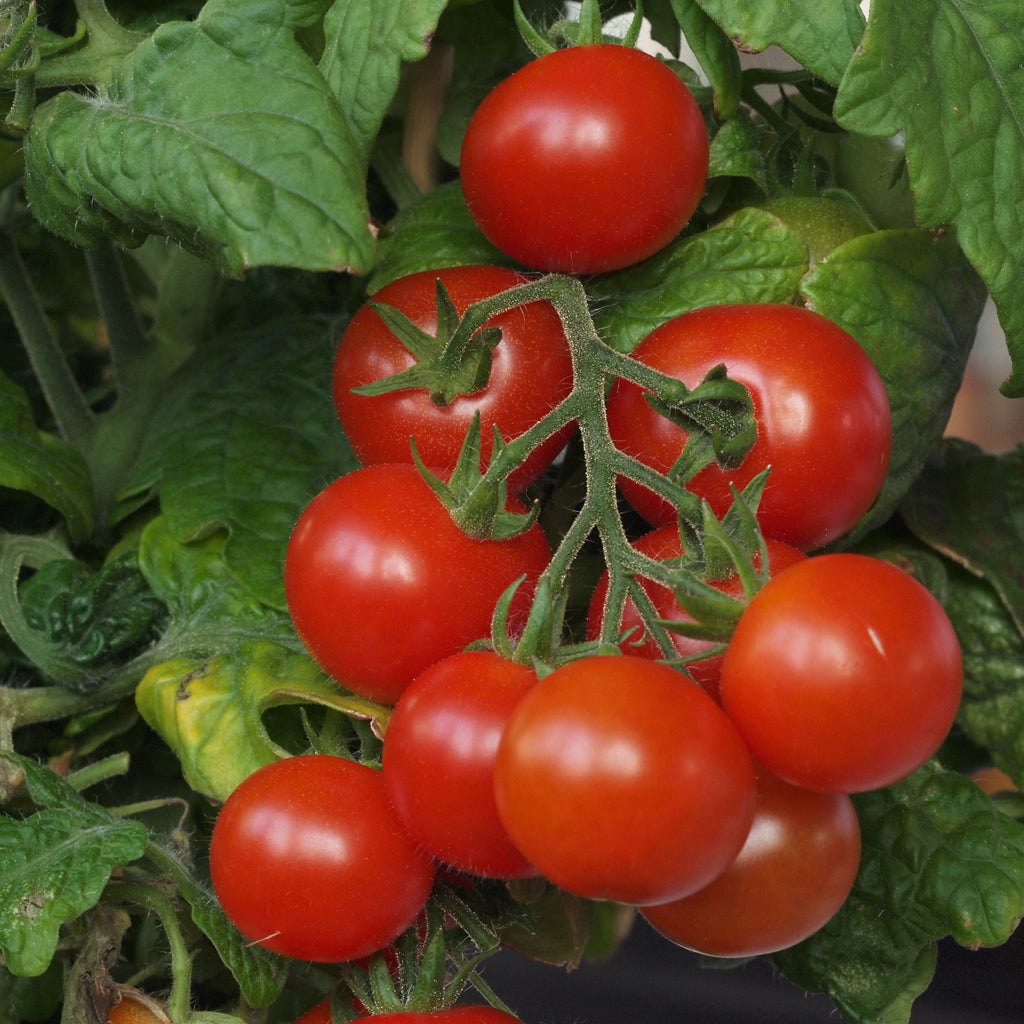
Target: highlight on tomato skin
[844, 674]
[381, 582]
[530, 372]
[308, 860]
[564, 171]
[440, 746]
[620, 779]
[796, 869]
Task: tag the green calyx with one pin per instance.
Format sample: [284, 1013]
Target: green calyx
[587, 30]
[454, 361]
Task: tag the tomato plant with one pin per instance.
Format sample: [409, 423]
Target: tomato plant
[308, 860]
[527, 373]
[212, 211]
[439, 753]
[844, 674]
[664, 543]
[824, 425]
[795, 870]
[621, 780]
[381, 583]
[564, 170]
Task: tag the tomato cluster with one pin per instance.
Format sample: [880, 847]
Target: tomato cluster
[721, 810]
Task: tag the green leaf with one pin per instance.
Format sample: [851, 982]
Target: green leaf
[210, 711]
[211, 612]
[950, 73]
[938, 859]
[992, 707]
[92, 617]
[42, 464]
[244, 437]
[715, 52]
[750, 257]
[913, 302]
[218, 133]
[734, 153]
[366, 43]
[969, 505]
[54, 865]
[433, 232]
[820, 34]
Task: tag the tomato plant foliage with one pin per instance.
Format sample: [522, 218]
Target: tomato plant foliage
[199, 199]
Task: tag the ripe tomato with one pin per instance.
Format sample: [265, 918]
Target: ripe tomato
[308, 859]
[662, 544]
[564, 170]
[620, 779]
[823, 417]
[439, 751]
[531, 372]
[381, 583]
[794, 872]
[843, 674]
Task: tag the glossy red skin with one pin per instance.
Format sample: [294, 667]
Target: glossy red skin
[824, 422]
[531, 372]
[794, 872]
[439, 751]
[620, 779]
[308, 860]
[662, 544]
[564, 170]
[381, 583]
[844, 674]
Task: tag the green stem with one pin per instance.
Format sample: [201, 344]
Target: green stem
[74, 419]
[181, 963]
[129, 345]
[99, 771]
[593, 364]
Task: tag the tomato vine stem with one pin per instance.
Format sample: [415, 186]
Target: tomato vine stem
[594, 364]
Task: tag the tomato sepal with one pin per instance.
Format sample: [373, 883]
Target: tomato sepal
[478, 506]
[454, 361]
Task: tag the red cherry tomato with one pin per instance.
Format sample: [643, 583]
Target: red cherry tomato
[439, 751]
[308, 860]
[823, 420]
[531, 372]
[620, 779]
[563, 169]
[793, 874]
[381, 583]
[662, 544]
[843, 674]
